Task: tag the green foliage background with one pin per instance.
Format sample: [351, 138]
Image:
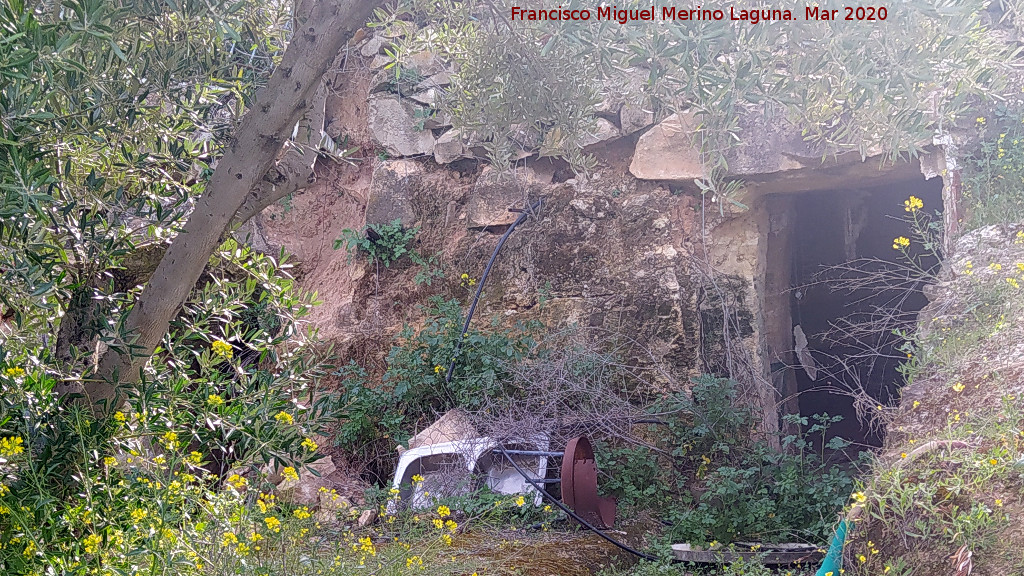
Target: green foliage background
[879, 87]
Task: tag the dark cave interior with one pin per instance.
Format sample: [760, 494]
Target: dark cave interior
[830, 228]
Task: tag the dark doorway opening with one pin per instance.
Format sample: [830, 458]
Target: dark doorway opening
[832, 228]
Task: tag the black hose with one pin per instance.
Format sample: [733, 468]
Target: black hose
[480, 286]
[575, 516]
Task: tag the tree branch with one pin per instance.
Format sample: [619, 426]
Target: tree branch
[294, 171]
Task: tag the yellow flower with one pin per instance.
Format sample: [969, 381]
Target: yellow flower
[447, 539]
[451, 526]
[273, 524]
[309, 444]
[119, 416]
[995, 266]
[92, 543]
[195, 458]
[366, 545]
[862, 558]
[980, 120]
[438, 369]
[860, 497]
[917, 403]
[1013, 282]
[999, 502]
[12, 446]
[290, 474]
[110, 461]
[900, 243]
[913, 204]
[214, 400]
[301, 513]
[958, 387]
[520, 501]
[416, 478]
[138, 514]
[170, 439]
[222, 349]
[237, 481]
[443, 511]
[284, 417]
[15, 372]
[438, 523]
[993, 461]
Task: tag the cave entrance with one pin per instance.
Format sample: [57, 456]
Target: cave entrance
[810, 234]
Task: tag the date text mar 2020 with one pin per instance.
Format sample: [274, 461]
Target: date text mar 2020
[754, 16]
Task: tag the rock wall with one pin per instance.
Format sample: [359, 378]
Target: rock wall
[632, 248]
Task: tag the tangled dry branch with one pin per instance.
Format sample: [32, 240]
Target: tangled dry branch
[577, 383]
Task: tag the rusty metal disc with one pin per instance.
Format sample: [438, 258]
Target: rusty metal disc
[579, 484]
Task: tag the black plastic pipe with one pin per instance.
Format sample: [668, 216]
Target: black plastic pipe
[480, 287]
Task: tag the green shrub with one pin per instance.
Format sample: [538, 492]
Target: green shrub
[413, 386]
[384, 243]
[480, 507]
[631, 474]
[731, 486]
[229, 389]
[764, 495]
[711, 424]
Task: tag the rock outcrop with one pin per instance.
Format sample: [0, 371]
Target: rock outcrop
[395, 127]
[305, 490]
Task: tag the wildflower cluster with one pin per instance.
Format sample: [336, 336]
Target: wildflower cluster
[14, 372]
[222, 349]
[184, 521]
[913, 204]
[11, 446]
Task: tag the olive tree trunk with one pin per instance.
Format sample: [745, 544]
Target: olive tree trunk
[251, 172]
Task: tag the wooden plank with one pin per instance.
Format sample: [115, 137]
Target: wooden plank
[773, 555]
